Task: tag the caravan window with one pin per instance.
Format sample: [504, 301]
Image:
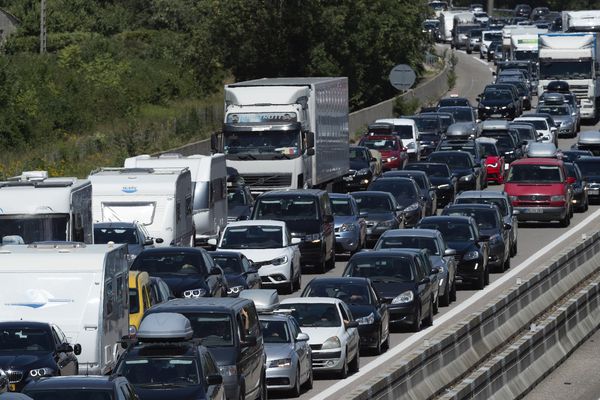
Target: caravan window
[142, 212]
[35, 227]
[201, 195]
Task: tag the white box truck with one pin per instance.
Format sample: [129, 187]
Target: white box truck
[158, 198]
[209, 188]
[38, 208]
[447, 25]
[571, 57]
[524, 44]
[581, 21]
[83, 289]
[282, 133]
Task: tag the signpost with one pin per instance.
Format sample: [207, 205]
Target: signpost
[402, 77]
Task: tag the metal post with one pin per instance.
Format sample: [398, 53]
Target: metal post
[43, 26]
[490, 7]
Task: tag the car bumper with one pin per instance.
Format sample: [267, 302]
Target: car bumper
[506, 114]
[347, 241]
[328, 360]
[357, 182]
[467, 185]
[444, 197]
[469, 271]
[541, 213]
[369, 335]
[593, 193]
[280, 378]
[311, 253]
[411, 218]
[274, 275]
[373, 235]
[232, 386]
[389, 165]
[495, 175]
[403, 314]
[497, 254]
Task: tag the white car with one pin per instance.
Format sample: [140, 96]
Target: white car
[548, 133]
[332, 330]
[270, 247]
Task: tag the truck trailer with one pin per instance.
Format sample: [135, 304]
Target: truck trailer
[581, 21]
[524, 43]
[286, 133]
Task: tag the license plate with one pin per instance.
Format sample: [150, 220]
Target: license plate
[534, 210]
[12, 387]
[594, 192]
[348, 178]
[506, 166]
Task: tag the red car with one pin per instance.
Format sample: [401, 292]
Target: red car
[540, 190]
[393, 153]
[494, 160]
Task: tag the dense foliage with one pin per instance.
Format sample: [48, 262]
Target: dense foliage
[109, 60]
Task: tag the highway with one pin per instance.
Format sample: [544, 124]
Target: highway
[538, 242]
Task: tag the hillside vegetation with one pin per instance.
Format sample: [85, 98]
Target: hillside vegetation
[122, 77]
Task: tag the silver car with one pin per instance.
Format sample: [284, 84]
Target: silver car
[350, 228]
[561, 114]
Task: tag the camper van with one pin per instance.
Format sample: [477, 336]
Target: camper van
[158, 198]
[38, 208]
[209, 180]
[83, 289]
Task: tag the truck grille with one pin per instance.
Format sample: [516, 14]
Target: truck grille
[14, 376]
[580, 91]
[534, 198]
[268, 180]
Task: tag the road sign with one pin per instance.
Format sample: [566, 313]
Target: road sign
[402, 77]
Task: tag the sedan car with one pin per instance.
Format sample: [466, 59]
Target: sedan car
[590, 170]
[268, 244]
[350, 228]
[407, 194]
[289, 356]
[442, 180]
[579, 186]
[545, 128]
[463, 168]
[424, 184]
[367, 308]
[561, 114]
[462, 234]
[403, 281]
[81, 387]
[497, 103]
[31, 350]
[574, 155]
[380, 211]
[333, 332]
[238, 270]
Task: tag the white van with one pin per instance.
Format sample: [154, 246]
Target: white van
[158, 198]
[209, 188]
[38, 208]
[81, 288]
[407, 130]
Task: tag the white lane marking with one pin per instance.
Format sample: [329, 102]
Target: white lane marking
[491, 70]
[480, 60]
[392, 354]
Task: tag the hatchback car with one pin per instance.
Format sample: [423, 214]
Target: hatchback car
[424, 184]
[350, 227]
[590, 141]
[561, 114]
[381, 212]
[393, 154]
[544, 126]
[442, 180]
[239, 271]
[362, 169]
[463, 167]
[407, 194]
[81, 387]
[497, 103]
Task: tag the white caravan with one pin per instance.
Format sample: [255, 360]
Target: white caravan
[81, 288]
[209, 188]
[158, 198]
[38, 208]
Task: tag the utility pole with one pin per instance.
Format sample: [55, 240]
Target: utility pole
[43, 26]
[490, 7]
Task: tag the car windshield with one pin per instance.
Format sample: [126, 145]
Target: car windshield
[382, 268]
[451, 230]
[554, 110]
[504, 143]
[314, 315]
[215, 329]
[453, 102]
[115, 235]
[498, 201]
[489, 36]
[229, 264]
[535, 173]
[439, 171]
[489, 149]
[25, 340]
[469, 148]
[404, 131]
[287, 208]
[427, 124]
[453, 160]
[460, 114]
[429, 137]
[485, 219]
[159, 371]
[401, 189]
[341, 207]
[373, 203]
[589, 167]
[538, 124]
[526, 133]
[409, 242]
[380, 144]
[70, 394]
[252, 237]
[349, 293]
[358, 154]
[236, 197]
[497, 95]
[170, 263]
[275, 331]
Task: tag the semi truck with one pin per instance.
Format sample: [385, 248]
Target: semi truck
[581, 21]
[571, 57]
[286, 133]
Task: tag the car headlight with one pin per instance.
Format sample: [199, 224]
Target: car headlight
[509, 152]
[411, 145]
[363, 171]
[566, 124]
[471, 255]
[228, 370]
[386, 224]
[332, 343]
[404, 298]
[444, 186]
[368, 320]
[494, 165]
[513, 198]
[503, 107]
[40, 372]
[315, 238]
[347, 227]
[280, 363]
[279, 260]
[194, 293]
[235, 289]
[412, 207]
[558, 198]
[466, 178]
[132, 331]
[390, 159]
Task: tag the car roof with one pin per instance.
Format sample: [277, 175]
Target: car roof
[314, 300]
[223, 253]
[482, 194]
[274, 317]
[293, 192]
[384, 252]
[372, 193]
[537, 161]
[172, 250]
[494, 124]
[441, 218]
[452, 152]
[255, 222]
[73, 382]
[475, 206]
[118, 224]
[339, 196]
[411, 232]
[25, 324]
[339, 279]
[221, 304]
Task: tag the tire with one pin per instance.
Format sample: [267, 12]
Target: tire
[416, 325]
[343, 374]
[355, 363]
[513, 249]
[436, 305]
[298, 281]
[386, 343]
[571, 212]
[321, 268]
[480, 283]
[445, 299]
[295, 392]
[331, 263]
[309, 382]
[487, 275]
[428, 321]
[263, 389]
[566, 221]
[506, 264]
[378, 349]
[453, 292]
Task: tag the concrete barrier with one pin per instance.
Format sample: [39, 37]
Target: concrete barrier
[428, 371]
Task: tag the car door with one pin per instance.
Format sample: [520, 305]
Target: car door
[216, 283]
[423, 285]
[209, 368]
[361, 221]
[328, 226]
[65, 360]
[252, 357]
[300, 348]
[382, 310]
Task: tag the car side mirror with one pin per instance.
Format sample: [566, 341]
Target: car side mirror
[296, 240]
[399, 208]
[64, 348]
[328, 218]
[302, 337]
[363, 214]
[148, 242]
[250, 341]
[351, 324]
[251, 270]
[571, 180]
[214, 271]
[449, 252]
[214, 379]
[77, 349]
[212, 242]
[159, 240]
[435, 270]
[424, 281]
[484, 238]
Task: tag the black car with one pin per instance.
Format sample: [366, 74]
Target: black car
[403, 281]
[518, 103]
[189, 272]
[427, 189]
[460, 113]
[473, 148]
[380, 211]
[462, 235]
[463, 167]
[31, 350]
[367, 308]
[428, 142]
[454, 102]
[238, 270]
[442, 180]
[407, 194]
[522, 88]
[446, 118]
[558, 87]
[164, 362]
[522, 10]
[159, 291]
[82, 387]
[578, 184]
[495, 103]
[590, 171]
[362, 169]
[491, 227]
[573, 155]
[507, 146]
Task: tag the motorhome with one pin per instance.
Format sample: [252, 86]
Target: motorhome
[209, 180]
[38, 208]
[158, 198]
[81, 288]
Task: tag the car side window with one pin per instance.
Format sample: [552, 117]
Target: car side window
[55, 337]
[345, 315]
[127, 392]
[245, 264]
[250, 320]
[419, 269]
[296, 326]
[208, 261]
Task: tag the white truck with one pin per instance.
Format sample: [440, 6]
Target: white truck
[282, 133]
[581, 21]
[447, 25]
[524, 43]
[209, 188]
[571, 57]
[38, 208]
[158, 198]
[81, 288]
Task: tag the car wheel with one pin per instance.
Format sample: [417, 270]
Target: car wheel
[331, 263]
[480, 283]
[355, 363]
[436, 304]
[378, 348]
[453, 291]
[566, 221]
[309, 381]
[487, 275]
[445, 299]
[343, 374]
[296, 389]
[416, 325]
[506, 264]
[386, 342]
[321, 267]
[571, 212]
[298, 281]
[263, 388]
[513, 249]
[428, 321]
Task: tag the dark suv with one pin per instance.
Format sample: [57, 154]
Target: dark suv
[497, 103]
[522, 10]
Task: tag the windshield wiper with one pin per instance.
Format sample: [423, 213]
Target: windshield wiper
[246, 156]
[281, 155]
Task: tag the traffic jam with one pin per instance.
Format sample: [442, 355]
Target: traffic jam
[181, 276]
